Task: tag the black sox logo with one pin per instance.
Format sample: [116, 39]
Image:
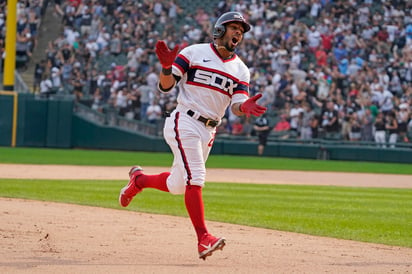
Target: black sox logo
[215, 80]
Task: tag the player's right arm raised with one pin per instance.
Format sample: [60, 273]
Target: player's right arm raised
[166, 58]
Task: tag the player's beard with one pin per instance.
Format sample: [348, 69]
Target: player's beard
[228, 46]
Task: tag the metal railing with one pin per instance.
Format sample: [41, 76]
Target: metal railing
[112, 119]
[19, 85]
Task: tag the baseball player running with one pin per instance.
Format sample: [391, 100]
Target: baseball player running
[211, 78]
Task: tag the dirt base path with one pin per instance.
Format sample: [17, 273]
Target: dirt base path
[44, 237]
[213, 175]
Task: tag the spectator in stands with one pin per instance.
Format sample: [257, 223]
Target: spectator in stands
[237, 127]
[39, 70]
[409, 127]
[340, 53]
[395, 84]
[262, 130]
[46, 86]
[134, 102]
[392, 128]
[97, 103]
[78, 83]
[202, 17]
[66, 54]
[23, 48]
[33, 23]
[115, 44]
[268, 95]
[152, 78]
[283, 124]
[380, 130]
[67, 73]
[132, 58]
[330, 118]
[403, 116]
[367, 121]
[146, 95]
[154, 112]
[294, 116]
[307, 117]
[355, 127]
[86, 21]
[56, 79]
[223, 128]
[92, 79]
[362, 41]
[105, 85]
[385, 100]
[321, 56]
[121, 101]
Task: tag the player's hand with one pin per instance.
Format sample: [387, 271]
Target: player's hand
[165, 55]
[251, 107]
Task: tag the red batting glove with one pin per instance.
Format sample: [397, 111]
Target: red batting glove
[250, 107]
[165, 55]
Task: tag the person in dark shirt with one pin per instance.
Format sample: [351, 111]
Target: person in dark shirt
[380, 130]
[330, 119]
[392, 128]
[261, 127]
[39, 70]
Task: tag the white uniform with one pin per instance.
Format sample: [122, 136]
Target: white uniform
[208, 85]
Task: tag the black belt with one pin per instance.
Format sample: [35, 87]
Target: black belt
[207, 122]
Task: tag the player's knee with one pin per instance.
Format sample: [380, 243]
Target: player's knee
[176, 189]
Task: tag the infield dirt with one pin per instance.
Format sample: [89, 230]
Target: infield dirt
[44, 237]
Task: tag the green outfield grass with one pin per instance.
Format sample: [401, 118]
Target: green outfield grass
[127, 158]
[379, 215]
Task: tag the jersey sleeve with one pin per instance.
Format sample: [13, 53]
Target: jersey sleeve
[179, 68]
[182, 62]
[241, 92]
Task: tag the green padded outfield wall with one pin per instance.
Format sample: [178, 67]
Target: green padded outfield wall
[52, 123]
[6, 119]
[40, 123]
[87, 134]
[59, 123]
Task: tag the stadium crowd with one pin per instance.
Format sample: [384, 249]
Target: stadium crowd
[28, 15]
[327, 69]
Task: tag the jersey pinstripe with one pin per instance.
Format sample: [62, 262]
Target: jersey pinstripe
[209, 84]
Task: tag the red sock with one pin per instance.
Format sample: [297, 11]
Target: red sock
[195, 208]
[154, 181]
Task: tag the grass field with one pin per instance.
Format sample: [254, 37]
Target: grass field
[379, 215]
[124, 158]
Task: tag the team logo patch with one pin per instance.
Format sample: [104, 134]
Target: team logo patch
[214, 80]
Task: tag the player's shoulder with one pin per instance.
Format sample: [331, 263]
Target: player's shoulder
[196, 47]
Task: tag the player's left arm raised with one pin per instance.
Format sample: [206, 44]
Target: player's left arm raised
[249, 107]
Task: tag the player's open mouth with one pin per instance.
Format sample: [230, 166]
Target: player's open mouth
[235, 41]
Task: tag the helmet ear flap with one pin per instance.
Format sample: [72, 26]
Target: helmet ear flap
[219, 31]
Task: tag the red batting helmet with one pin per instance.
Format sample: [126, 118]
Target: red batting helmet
[233, 16]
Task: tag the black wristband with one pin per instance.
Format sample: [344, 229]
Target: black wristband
[167, 71]
[240, 108]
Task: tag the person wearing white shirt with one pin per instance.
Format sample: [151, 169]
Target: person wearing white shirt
[294, 114]
[154, 112]
[385, 102]
[314, 38]
[46, 85]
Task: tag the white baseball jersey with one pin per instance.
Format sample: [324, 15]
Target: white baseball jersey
[209, 84]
